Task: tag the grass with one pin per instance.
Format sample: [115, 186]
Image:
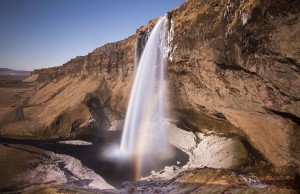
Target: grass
[14, 161]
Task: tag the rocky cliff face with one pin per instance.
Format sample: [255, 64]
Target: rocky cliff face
[85, 94]
[240, 60]
[234, 71]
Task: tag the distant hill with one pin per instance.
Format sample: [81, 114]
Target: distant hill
[11, 72]
[5, 69]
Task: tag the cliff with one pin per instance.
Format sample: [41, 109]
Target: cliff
[233, 69]
[240, 59]
[83, 95]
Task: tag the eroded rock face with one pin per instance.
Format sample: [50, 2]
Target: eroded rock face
[234, 70]
[241, 59]
[209, 180]
[78, 98]
[208, 150]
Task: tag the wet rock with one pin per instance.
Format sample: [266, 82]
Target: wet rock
[131, 189]
[126, 184]
[157, 190]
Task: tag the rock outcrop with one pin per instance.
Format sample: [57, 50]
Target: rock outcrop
[24, 166]
[233, 69]
[240, 59]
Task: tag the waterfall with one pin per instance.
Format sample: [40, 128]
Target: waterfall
[146, 105]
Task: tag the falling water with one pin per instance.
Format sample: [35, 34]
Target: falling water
[146, 104]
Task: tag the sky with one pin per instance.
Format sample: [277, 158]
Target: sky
[45, 33]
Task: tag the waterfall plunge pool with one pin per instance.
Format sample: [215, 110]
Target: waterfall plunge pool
[100, 157]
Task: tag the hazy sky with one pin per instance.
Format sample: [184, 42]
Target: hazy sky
[44, 33]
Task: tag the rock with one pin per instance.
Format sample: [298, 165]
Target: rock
[225, 66]
[205, 149]
[126, 184]
[131, 189]
[233, 74]
[219, 152]
[23, 166]
[235, 64]
[76, 142]
[157, 190]
[210, 180]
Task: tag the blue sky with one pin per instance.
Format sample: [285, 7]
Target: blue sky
[44, 33]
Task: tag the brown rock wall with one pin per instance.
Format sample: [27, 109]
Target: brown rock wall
[241, 59]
